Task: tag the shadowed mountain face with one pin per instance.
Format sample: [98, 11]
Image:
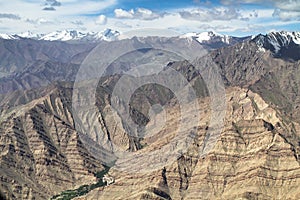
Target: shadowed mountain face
[256, 156]
[275, 79]
[19, 55]
[284, 45]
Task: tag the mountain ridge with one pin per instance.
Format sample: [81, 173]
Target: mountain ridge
[66, 35]
[255, 157]
[283, 44]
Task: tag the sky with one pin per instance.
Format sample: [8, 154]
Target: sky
[232, 17]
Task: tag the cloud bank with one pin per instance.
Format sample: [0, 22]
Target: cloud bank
[10, 16]
[140, 13]
[285, 10]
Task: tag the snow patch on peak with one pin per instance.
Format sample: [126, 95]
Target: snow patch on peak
[64, 35]
[295, 36]
[67, 35]
[226, 39]
[107, 35]
[283, 44]
[29, 34]
[8, 36]
[207, 36]
[275, 41]
[285, 37]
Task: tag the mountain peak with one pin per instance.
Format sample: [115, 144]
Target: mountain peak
[288, 36]
[208, 36]
[204, 36]
[107, 34]
[7, 36]
[29, 34]
[66, 35]
[214, 39]
[282, 43]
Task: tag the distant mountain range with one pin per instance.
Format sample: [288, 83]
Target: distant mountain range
[66, 35]
[111, 35]
[211, 37]
[282, 44]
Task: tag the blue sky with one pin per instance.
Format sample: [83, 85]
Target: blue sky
[233, 17]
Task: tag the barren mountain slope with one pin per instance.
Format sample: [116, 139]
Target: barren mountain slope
[250, 160]
[256, 155]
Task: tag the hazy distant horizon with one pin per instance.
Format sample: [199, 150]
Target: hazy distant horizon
[237, 18]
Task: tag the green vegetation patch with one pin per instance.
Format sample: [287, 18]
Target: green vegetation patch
[84, 189]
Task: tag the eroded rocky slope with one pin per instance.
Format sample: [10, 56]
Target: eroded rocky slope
[41, 152]
[250, 160]
[255, 156]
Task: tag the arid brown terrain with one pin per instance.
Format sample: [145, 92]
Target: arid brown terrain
[254, 155]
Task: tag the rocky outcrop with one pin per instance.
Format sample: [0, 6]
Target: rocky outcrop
[41, 152]
[251, 160]
[254, 156]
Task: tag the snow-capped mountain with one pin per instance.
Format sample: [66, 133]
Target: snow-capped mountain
[66, 35]
[107, 35]
[207, 36]
[282, 44]
[213, 39]
[29, 34]
[276, 40]
[7, 36]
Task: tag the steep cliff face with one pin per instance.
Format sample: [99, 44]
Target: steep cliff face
[41, 152]
[251, 160]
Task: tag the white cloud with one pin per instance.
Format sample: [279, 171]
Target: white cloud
[230, 2]
[122, 25]
[286, 15]
[10, 16]
[61, 17]
[52, 3]
[74, 14]
[140, 13]
[146, 14]
[102, 20]
[49, 9]
[223, 14]
[284, 9]
[87, 7]
[77, 22]
[39, 21]
[120, 13]
[34, 8]
[217, 28]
